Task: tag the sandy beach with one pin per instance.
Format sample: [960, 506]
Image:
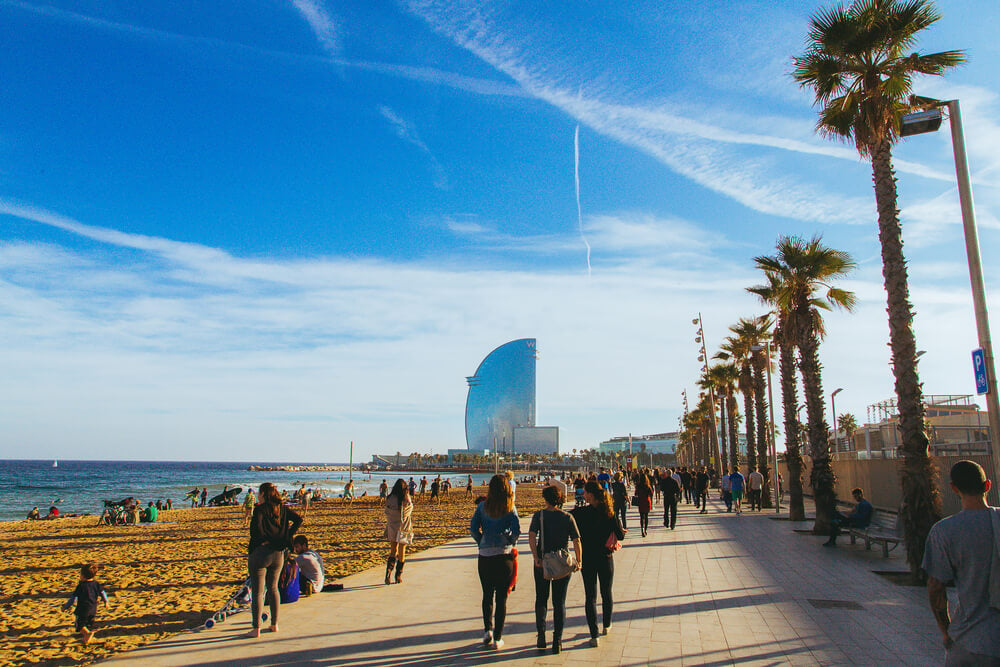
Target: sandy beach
[171, 576]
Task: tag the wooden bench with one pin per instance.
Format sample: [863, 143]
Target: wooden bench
[886, 528]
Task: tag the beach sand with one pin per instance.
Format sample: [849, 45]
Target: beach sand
[171, 576]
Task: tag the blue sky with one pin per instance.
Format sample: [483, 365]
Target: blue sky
[263, 229]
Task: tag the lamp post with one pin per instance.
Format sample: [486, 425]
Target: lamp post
[833, 406]
[700, 338]
[929, 120]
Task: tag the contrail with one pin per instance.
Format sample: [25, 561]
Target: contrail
[579, 212]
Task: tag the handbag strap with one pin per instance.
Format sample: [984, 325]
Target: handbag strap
[541, 531]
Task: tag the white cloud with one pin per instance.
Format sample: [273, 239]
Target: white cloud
[406, 131]
[321, 22]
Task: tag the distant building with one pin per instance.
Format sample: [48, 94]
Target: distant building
[955, 426]
[500, 409]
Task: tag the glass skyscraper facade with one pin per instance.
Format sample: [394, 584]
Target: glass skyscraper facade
[501, 396]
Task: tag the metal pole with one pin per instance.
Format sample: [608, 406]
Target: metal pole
[711, 397]
[833, 406]
[350, 466]
[976, 277]
[774, 447]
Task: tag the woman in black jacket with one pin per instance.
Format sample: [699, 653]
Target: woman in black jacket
[271, 528]
[597, 523]
[551, 529]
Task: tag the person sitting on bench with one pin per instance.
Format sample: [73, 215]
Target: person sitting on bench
[861, 517]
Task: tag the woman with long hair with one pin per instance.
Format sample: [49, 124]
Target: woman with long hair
[597, 523]
[644, 500]
[495, 527]
[398, 528]
[557, 528]
[272, 525]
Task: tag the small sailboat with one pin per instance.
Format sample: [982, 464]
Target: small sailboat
[55, 464]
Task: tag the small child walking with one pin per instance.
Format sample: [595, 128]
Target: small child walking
[86, 595]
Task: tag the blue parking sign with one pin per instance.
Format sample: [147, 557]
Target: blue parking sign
[979, 368]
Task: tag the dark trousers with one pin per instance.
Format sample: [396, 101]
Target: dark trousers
[643, 521]
[688, 492]
[264, 566]
[670, 512]
[755, 499]
[598, 568]
[621, 507]
[701, 498]
[495, 573]
[559, 588]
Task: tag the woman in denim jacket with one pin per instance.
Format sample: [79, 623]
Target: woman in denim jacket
[495, 527]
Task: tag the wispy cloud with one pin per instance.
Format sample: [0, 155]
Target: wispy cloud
[321, 22]
[406, 131]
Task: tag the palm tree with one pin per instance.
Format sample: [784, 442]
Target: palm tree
[859, 65]
[802, 269]
[747, 333]
[761, 361]
[725, 377]
[770, 294]
[849, 425]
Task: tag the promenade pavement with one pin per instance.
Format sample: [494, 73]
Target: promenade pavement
[721, 589]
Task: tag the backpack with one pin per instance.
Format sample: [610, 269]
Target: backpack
[288, 582]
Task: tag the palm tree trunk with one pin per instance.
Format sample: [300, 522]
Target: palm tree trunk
[921, 506]
[790, 402]
[723, 462]
[762, 440]
[734, 443]
[748, 404]
[822, 478]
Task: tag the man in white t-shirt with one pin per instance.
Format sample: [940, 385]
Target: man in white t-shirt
[310, 563]
[755, 484]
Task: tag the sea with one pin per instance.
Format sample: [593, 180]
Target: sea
[81, 487]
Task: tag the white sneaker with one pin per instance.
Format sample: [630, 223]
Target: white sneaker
[497, 645]
[488, 637]
[606, 630]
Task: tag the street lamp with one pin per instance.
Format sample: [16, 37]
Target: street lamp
[833, 405]
[703, 357]
[929, 120]
[774, 447]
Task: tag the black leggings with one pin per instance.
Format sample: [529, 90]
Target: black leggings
[559, 588]
[264, 566]
[620, 509]
[669, 513]
[603, 568]
[495, 573]
[643, 521]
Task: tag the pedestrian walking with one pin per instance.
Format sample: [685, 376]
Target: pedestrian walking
[737, 484]
[755, 485]
[598, 524]
[671, 496]
[643, 500]
[963, 549]
[398, 528]
[495, 527]
[550, 532]
[619, 497]
[687, 481]
[727, 492]
[701, 489]
[272, 526]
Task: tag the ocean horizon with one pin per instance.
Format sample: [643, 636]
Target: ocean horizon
[81, 486]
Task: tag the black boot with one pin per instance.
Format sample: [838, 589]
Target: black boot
[389, 564]
[399, 571]
[541, 640]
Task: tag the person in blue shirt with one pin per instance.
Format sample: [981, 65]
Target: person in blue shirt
[861, 517]
[737, 484]
[604, 479]
[495, 527]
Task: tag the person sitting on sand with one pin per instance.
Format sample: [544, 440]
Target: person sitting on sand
[348, 494]
[310, 564]
[33, 515]
[86, 595]
[53, 513]
[149, 514]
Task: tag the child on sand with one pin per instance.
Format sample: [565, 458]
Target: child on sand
[87, 592]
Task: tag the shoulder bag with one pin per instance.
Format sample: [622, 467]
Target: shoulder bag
[557, 564]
